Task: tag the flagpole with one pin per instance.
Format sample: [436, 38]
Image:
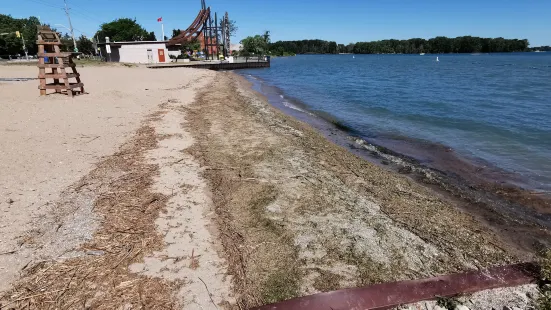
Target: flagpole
[163, 30]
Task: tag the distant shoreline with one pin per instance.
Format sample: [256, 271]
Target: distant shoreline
[437, 45]
[415, 54]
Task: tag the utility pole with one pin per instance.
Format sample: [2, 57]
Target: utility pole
[24, 47]
[227, 33]
[99, 49]
[19, 34]
[70, 25]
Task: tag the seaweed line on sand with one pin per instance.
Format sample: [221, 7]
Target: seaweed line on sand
[299, 215]
[98, 276]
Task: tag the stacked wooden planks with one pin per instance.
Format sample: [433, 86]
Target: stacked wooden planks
[53, 64]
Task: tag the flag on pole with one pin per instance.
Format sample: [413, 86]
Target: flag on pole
[160, 20]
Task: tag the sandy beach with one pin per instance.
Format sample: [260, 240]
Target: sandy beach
[183, 188]
[72, 167]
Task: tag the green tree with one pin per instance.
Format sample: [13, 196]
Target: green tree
[10, 44]
[192, 46]
[305, 47]
[124, 29]
[254, 45]
[66, 43]
[465, 44]
[85, 45]
[266, 37]
[233, 26]
[175, 32]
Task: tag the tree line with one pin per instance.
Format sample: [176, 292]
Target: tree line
[10, 44]
[124, 29]
[282, 48]
[127, 29]
[540, 48]
[438, 45]
[121, 29]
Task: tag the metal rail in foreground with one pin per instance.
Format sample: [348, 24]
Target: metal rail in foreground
[391, 295]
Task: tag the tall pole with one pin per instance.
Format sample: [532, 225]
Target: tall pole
[210, 36]
[24, 47]
[98, 49]
[216, 35]
[163, 31]
[70, 25]
[223, 32]
[227, 33]
[206, 36]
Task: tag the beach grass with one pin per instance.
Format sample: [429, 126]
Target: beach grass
[281, 285]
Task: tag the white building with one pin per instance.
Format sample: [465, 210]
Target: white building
[136, 52]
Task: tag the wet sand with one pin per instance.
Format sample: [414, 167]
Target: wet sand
[495, 197]
[299, 213]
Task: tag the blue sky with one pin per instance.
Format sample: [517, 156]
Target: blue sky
[343, 21]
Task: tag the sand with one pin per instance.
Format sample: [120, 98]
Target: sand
[50, 144]
[189, 232]
[182, 188]
[300, 215]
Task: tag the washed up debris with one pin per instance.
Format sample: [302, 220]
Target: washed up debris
[95, 252]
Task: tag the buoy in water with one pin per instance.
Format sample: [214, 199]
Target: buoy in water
[437, 60]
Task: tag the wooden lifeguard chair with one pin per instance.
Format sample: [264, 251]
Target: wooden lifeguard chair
[50, 57]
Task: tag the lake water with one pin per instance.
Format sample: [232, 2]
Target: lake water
[492, 108]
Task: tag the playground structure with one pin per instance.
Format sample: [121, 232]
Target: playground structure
[211, 36]
[50, 57]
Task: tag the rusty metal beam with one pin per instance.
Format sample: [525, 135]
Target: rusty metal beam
[390, 295]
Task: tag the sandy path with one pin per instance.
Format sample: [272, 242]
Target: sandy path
[47, 144]
[187, 225]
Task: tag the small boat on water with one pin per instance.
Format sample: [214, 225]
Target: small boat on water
[422, 54]
[437, 60]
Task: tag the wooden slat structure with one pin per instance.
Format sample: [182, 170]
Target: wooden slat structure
[51, 57]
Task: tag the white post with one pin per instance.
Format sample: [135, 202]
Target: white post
[163, 30]
[24, 47]
[70, 26]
